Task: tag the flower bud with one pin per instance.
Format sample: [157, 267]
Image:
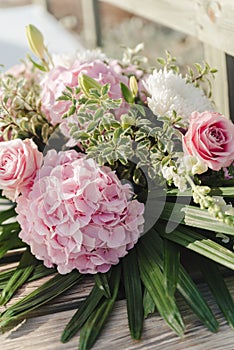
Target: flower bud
[133, 85]
[86, 83]
[35, 40]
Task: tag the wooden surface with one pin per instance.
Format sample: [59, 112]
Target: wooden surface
[42, 332]
[210, 21]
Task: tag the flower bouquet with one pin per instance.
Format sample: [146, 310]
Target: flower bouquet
[115, 170]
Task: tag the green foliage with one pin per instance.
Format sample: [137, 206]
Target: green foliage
[201, 77]
[20, 112]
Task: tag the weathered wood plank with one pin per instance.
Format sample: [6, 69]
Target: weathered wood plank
[91, 26]
[217, 59]
[209, 21]
[43, 332]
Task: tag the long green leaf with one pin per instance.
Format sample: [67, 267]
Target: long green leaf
[227, 191]
[196, 301]
[20, 276]
[218, 288]
[200, 244]
[41, 271]
[48, 291]
[153, 279]
[148, 304]
[171, 266]
[196, 217]
[14, 243]
[97, 319]
[82, 314]
[185, 285]
[133, 292]
[101, 280]
[7, 214]
[5, 276]
[9, 231]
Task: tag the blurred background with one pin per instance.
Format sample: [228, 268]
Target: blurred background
[69, 25]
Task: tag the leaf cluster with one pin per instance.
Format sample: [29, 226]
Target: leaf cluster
[20, 110]
[137, 136]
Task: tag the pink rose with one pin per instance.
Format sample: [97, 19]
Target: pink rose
[210, 137]
[78, 215]
[19, 161]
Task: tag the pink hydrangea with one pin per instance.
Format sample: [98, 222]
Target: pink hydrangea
[60, 77]
[19, 161]
[78, 215]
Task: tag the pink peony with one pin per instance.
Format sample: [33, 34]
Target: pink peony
[60, 77]
[19, 161]
[210, 137]
[78, 215]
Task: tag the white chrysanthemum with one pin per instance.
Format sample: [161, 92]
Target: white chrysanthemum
[169, 91]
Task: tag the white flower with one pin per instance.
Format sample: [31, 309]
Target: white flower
[169, 91]
[193, 165]
[87, 56]
[224, 207]
[180, 182]
[63, 60]
[168, 172]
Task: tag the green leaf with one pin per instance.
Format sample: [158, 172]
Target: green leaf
[13, 243]
[9, 231]
[148, 304]
[20, 276]
[133, 292]
[48, 291]
[171, 266]
[200, 244]
[127, 93]
[5, 276]
[7, 214]
[37, 65]
[82, 314]
[97, 319]
[196, 301]
[218, 288]
[153, 279]
[102, 282]
[41, 271]
[105, 89]
[196, 217]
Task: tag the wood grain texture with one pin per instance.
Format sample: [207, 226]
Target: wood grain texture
[209, 21]
[42, 332]
[217, 59]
